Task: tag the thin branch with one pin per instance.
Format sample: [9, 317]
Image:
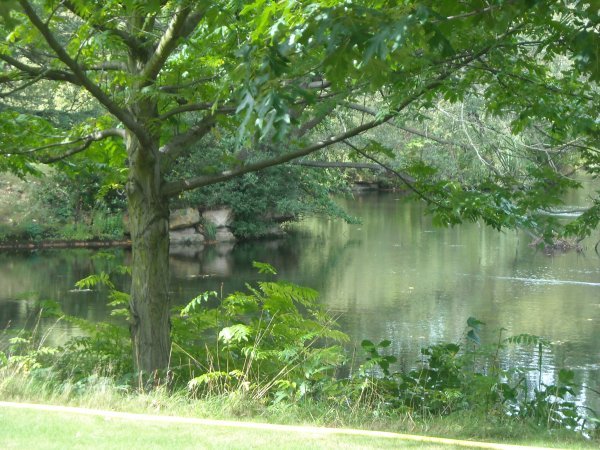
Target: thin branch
[120, 113]
[484, 160]
[176, 187]
[410, 130]
[48, 74]
[136, 45]
[409, 182]
[87, 141]
[312, 123]
[196, 107]
[487, 68]
[21, 87]
[109, 65]
[475, 12]
[177, 87]
[338, 165]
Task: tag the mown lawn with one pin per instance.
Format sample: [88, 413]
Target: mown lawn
[27, 429]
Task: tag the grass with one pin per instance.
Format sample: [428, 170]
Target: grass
[48, 430]
[29, 429]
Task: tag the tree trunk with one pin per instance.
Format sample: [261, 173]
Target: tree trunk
[149, 223]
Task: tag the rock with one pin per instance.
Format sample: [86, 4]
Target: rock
[224, 234]
[219, 217]
[186, 236]
[183, 218]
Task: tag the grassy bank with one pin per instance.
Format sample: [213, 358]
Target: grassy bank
[27, 429]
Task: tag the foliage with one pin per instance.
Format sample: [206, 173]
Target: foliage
[259, 200]
[146, 83]
[275, 345]
[57, 207]
[273, 340]
[456, 377]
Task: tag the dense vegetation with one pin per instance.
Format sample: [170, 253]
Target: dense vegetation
[135, 87]
[274, 345]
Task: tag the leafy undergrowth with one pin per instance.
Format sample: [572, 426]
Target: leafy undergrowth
[46, 208]
[464, 425]
[272, 354]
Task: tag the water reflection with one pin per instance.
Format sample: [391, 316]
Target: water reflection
[392, 277]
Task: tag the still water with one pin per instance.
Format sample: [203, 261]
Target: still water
[394, 276]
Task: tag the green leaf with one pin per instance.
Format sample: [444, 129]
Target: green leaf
[264, 268]
[474, 323]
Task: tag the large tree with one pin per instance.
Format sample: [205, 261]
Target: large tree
[156, 77]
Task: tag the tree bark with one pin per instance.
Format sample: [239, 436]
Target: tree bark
[149, 221]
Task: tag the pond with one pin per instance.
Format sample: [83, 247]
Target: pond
[394, 276]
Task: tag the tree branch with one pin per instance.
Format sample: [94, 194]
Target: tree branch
[182, 23]
[47, 74]
[373, 113]
[176, 187]
[196, 107]
[86, 142]
[338, 165]
[120, 113]
[179, 143]
[408, 181]
[109, 65]
[136, 45]
[176, 87]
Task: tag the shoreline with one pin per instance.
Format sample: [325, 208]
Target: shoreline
[126, 243]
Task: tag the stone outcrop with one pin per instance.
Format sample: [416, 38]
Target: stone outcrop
[189, 227]
[186, 236]
[219, 218]
[184, 218]
[224, 234]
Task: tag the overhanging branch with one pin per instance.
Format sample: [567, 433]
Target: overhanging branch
[120, 113]
[191, 107]
[85, 141]
[338, 165]
[37, 72]
[174, 188]
[180, 143]
[410, 130]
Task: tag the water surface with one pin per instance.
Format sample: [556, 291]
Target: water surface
[392, 277]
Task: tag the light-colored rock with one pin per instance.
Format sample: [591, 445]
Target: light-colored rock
[224, 234]
[183, 218]
[186, 236]
[219, 217]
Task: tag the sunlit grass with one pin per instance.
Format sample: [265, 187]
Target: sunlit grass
[27, 429]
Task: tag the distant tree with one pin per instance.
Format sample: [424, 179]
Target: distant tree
[155, 78]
